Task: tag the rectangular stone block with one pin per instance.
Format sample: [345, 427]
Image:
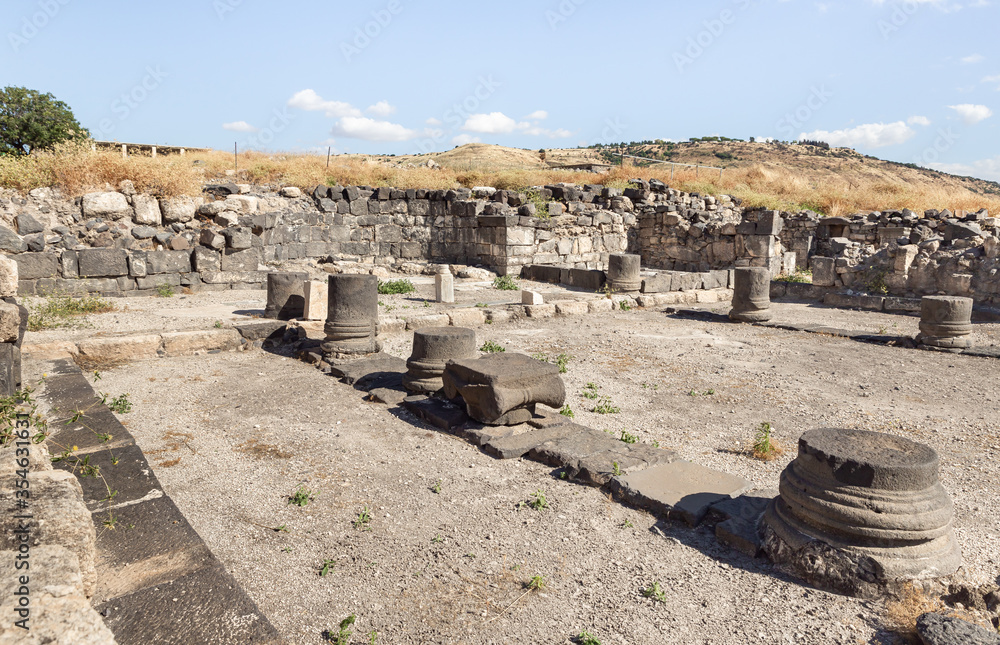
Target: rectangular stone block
[31, 266]
[540, 311]
[245, 260]
[99, 263]
[681, 490]
[316, 303]
[185, 343]
[824, 271]
[467, 317]
[168, 262]
[571, 307]
[531, 297]
[659, 283]
[600, 305]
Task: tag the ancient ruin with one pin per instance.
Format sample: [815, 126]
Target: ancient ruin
[751, 295]
[433, 347]
[945, 322]
[503, 389]
[352, 316]
[861, 511]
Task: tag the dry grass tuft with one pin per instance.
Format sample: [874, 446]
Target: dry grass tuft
[901, 613]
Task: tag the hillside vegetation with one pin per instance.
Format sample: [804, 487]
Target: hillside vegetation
[838, 181]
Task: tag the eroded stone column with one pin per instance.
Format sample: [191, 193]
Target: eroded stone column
[751, 295]
[352, 317]
[623, 272]
[433, 347]
[945, 322]
[285, 295]
[859, 512]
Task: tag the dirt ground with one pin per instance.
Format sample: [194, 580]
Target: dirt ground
[449, 548]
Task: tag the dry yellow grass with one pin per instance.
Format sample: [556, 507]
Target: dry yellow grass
[778, 184]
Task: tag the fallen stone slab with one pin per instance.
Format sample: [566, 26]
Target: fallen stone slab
[267, 329]
[935, 629]
[440, 413]
[503, 389]
[479, 434]
[387, 395]
[678, 490]
[739, 535]
[351, 371]
[982, 352]
[379, 381]
[547, 419]
[599, 468]
[580, 442]
[747, 508]
[518, 445]
[697, 314]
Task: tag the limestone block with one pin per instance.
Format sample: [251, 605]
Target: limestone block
[467, 317]
[10, 322]
[147, 210]
[127, 348]
[9, 275]
[178, 209]
[112, 206]
[571, 308]
[531, 297]
[185, 343]
[315, 295]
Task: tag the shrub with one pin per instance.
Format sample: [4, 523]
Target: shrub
[396, 286]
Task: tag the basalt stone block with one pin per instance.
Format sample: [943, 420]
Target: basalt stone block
[751, 295]
[623, 272]
[285, 295]
[503, 389]
[945, 322]
[936, 629]
[352, 316]
[98, 263]
[433, 347]
[859, 512]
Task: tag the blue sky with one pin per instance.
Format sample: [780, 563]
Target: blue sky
[912, 81]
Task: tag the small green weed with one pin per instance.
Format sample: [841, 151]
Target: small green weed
[566, 411]
[655, 592]
[436, 488]
[165, 290]
[302, 496]
[57, 310]
[505, 283]
[627, 524]
[492, 348]
[704, 393]
[437, 539]
[765, 447]
[646, 386]
[218, 324]
[537, 583]
[119, 404]
[799, 276]
[482, 305]
[343, 634]
[537, 501]
[426, 304]
[327, 567]
[586, 638]
[396, 286]
[363, 520]
[627, 437]
[616, 470]
[604, 406]
[589, 391]
[624, 305]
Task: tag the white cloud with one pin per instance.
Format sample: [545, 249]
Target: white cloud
[239, 126]
[313, 102]
[918, 120]
[382, 109]
[536, 131]
[359, 127]
[433, 121]
[463, 139]
[944, 5]
[868, 135]
[492, 123]
[973, 58]
[538, 115]
[984, 168]
[992, 79]
[972, 114]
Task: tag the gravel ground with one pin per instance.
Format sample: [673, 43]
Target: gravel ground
[231, 436]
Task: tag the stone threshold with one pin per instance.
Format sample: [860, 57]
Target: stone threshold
[157, 581]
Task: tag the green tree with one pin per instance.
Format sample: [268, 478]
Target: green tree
[29, 120]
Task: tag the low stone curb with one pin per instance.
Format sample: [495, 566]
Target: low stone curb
[864, 337]
[156, 580]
